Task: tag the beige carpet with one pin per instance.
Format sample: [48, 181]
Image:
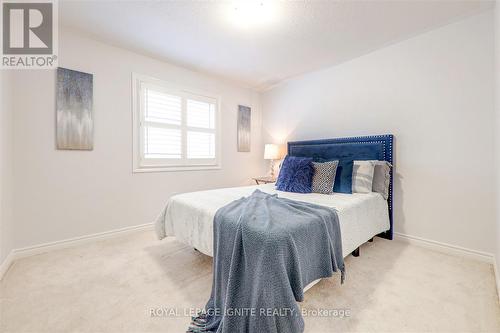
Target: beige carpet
[112, 286]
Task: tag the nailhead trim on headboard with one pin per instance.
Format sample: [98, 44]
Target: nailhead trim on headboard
[387, 141]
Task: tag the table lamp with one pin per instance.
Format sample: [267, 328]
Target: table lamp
[271, 152]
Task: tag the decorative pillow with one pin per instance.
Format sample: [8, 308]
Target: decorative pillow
[382, 178]
[295, 175]
[362, 176]
[324, 177]
[343, 177]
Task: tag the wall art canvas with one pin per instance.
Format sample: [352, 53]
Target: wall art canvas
[74, 115]
[244, 127]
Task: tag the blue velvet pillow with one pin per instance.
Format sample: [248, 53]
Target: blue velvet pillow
[343, 177]
[295, 175]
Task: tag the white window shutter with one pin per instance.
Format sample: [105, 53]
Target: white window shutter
[200, 114]
[201, 129]
[163, 108]
[174, 128]
[162, 142]
[200, 145]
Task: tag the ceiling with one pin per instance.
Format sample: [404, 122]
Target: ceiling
[282, 40]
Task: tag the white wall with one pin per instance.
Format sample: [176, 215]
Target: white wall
[434, 92]
[63, 194]
[6, 232]
[497, 132]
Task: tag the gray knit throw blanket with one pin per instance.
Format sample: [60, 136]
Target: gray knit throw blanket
[266, 250]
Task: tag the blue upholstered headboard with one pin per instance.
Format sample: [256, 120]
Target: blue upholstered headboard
[376, 147]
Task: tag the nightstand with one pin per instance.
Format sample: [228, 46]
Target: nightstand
[264, 180]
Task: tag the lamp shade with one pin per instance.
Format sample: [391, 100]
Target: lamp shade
[271, 152]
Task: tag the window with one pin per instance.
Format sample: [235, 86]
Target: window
[174, 128]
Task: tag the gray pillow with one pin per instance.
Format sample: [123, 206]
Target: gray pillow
[324, 177]
[382, 178]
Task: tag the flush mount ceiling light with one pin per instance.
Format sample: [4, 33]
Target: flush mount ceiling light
[252, 13]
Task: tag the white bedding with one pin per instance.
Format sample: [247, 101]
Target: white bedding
[189, 217]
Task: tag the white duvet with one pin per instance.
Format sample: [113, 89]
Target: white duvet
[189, 216]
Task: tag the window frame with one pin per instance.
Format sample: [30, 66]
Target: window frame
[141, 164]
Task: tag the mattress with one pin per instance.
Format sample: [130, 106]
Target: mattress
[189, 216]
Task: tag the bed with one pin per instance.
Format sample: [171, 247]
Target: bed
[189, 217]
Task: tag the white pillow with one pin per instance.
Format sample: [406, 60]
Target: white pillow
[362, 176]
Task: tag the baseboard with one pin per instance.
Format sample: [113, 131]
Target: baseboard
[455, 250]
[42, 248]
[66, 243]
[497, 276]
[5, 265]
[446, 248]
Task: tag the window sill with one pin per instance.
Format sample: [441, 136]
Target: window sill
[176, 168]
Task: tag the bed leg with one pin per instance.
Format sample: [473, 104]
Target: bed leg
[370, 240]
[355, 253]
